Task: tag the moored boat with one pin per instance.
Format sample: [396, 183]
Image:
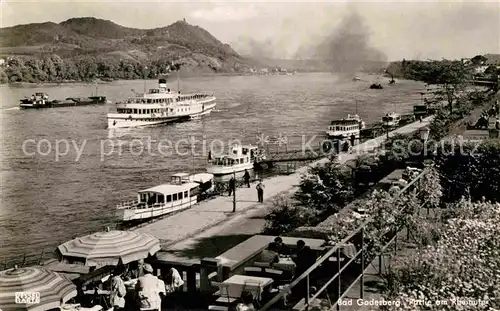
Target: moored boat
[181, 193]
[391, 119]
[160, 106]
[239, 159]
[345, 128]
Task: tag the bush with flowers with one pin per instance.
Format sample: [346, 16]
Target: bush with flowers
[461, 270]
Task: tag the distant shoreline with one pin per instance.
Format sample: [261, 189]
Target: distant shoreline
[100, 81]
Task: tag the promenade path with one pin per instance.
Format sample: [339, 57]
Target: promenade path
[184, 225]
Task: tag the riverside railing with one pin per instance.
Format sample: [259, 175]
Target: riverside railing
[38, 258]
[336, 252]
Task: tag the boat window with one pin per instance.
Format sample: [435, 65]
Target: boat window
[169, 198]
[149, 101]
[174, 197]
[185, 194]
[135, 110]
[180, 196]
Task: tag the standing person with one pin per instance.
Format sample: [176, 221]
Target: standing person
[149, 290]
[304, 258]
[260, 191]
[246, 177]
[232, 183]
[118, 290]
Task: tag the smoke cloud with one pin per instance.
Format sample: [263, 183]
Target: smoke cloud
[348, 49]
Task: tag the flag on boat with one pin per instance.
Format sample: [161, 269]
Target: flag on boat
[34, 289]
[110, 248]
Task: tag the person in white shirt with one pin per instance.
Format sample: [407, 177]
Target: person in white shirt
[173, 281]
[118, 290]
[149, 290]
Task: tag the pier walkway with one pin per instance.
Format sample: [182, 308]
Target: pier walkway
[179, 227]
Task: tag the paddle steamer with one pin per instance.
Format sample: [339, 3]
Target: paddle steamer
[160, 106]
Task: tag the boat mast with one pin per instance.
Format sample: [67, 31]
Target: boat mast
[356, 106]
[96, 88]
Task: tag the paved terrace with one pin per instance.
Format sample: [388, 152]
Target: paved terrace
[177, 228]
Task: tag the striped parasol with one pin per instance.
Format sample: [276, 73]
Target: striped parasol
[110, 248]
[33, 282]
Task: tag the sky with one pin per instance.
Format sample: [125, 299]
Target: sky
[402, 29]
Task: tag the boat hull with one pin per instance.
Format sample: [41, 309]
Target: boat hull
[224, 170]
[118, 120]
[122, 120]
[70, 102]
[127, 215]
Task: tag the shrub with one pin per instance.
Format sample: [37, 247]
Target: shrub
[284, 216]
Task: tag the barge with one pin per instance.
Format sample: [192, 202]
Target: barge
[41, 100]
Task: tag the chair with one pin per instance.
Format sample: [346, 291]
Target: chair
[262, 264]
[218, 308]
[223, 292]
[253, 271]
[274, 272]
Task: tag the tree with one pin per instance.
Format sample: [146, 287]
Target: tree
[284, 216]
[326, 188]
[450, 76]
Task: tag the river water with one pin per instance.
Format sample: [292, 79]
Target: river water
[48, 199]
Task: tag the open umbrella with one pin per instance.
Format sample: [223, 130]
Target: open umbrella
[110, 248]
[51, 288]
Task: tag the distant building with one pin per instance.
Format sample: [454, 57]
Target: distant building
[466, 61]
[2, 61]
[264, 70]
[480, 69]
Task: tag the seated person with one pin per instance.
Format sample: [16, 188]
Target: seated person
[270, 255]
[246, 303]
[173, 281]
[280, 247]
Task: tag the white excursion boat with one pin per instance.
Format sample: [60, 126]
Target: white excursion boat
[160, 106]
[391, 119]
[346, 127]
[181, 193]
[241, 158]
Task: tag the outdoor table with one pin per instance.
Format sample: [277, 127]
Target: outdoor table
[285, 264]
[238, 283]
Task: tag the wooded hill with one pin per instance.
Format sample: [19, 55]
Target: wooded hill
[89, 48]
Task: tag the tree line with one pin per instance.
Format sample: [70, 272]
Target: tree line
[53, 68]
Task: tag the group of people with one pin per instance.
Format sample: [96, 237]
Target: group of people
[149, 290]
[303, 257]
[246, 177]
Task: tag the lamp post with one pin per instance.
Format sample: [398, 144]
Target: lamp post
[234, 191]
[424, 135]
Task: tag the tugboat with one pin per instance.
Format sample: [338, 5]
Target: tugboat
[41, 100]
